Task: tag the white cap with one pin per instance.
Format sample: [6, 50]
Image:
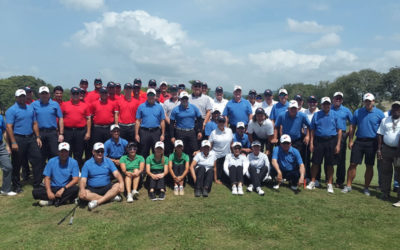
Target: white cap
[236, 143]
[286, 138]
[183, 94]
[63, 146]
[163, 82]
[236, 87]
[338, 93]
[293, 104]
[282, 91]
[114, 126]
[205, 143]
[240, 125]
[151, 91]
[44, 89]
[256, 143]
[178, 143]
[369, 97]
[98, 145]
[20, 92]
[159, 144]
[325, 99]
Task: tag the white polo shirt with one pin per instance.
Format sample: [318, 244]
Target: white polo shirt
[309, 115]
[255, 106]
[205, 161]
[258, 161]
[219, 105]
[221, 141]
[202, 102]
[390, 129]
[261, 130]
[267, 108]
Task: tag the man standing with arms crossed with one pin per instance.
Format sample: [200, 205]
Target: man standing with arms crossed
[237, 110]
[127, 106]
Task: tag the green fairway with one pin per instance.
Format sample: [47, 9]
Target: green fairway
[309, 219]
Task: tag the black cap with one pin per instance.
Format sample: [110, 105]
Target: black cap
[182, 86]
[28, 89]
[98, 81]
[298, 97]
[137, 80]
[312, 99]
[221, 119]
[152, 82]
[252, 92]
[260, 111]
[268, 92]
[259, 97]
[83, 81]
[136, 85]
[103, 90]
[219, 89]
[204, 84]
[75, 90]
[82, 91]
[132, 145]
[197, 83]
[110, 85]
[173, 88]
[128, 86]
[118, 85]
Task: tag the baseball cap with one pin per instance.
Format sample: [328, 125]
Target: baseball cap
[44, 89]
[268, 92]
[256, 143]
[178, 143]
[20, 92]
[137, 80]
[75, 90]
[159, 144]
[173, 88]
[136, 85]
[396, 103]
[298, 97]
[205, 143]
[103, 90]
[98, 145]
[152, 82]
[293, 104]
[283, 91]
[204, 84]
[63, 146]
[260, 111]
[337, 94]
[128, 85]
[182, 86]
[236, 144]
[369, 97]
[221, 119]
[240, 125]
[285, 138]
[163, 83]
[82, 91]
[325, 99]
[151, 91]
[28, 89]
[197, 83]
[98, 81]
[183, 94]
[132, 145]
[117, 85]
[110, 85]
[84, 81]
[252, 92]
[312, 98]
[114, 126]
[237, 87]
[219, 89]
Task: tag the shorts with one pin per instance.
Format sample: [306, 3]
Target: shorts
[100, 190]
[324, 148]
[363, 147]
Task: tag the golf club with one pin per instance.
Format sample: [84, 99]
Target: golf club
[70, 212]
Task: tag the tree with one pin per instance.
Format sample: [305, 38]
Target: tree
[391, 84]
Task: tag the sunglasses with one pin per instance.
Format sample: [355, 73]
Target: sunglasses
[132, 149]
[99, 151]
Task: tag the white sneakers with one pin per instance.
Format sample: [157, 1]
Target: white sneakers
[250, 188]
[346, 189]
[129, 198]
[176, 190]
[181, 190]
[92, 205]
[135, 194]
[11, 193]
[311, 185]
[240, 190]
[397, 204]
[234, 190]
[44, 203]
[366, 192]
[260, 191]
[330, 189]
[276, 187]
[117, 198]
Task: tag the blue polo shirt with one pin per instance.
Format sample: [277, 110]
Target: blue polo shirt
[210, 126]
[238, 111]
[344, 114]
[185, 117]
[115, 150]
[61, 175]
[22, 119]
[151, 115]
[278, 109]
[292, 126]
[287, 161]
[244, 140]
[2, 127]
[47, 114]
[367, 122]
[325, 125]
[98, 175]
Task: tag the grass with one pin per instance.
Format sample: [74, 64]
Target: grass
[309, 219]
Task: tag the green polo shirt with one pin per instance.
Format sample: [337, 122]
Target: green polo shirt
[174, 158]
[131, 164]
[154, 165]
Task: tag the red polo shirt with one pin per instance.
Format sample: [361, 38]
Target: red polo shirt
[92, 96]
[127, 110]
[103, 112]
[29, 102]
[75, 115]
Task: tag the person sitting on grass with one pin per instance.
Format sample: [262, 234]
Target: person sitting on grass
[114, 148]
[178, 164]
[287, 164]
[132, 165]
[157, 169]
[61, 176]
[204, 169]
[235, 166]
[259, 168]
[242, 137]
[95, 184]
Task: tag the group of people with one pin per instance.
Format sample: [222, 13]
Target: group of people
[166, 135]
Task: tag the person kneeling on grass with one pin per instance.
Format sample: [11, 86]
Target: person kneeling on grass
[236, 165]
[287, 164]
[95, 184]
[178, 167]
[157, 169]
[258, 168]
[204, 169]
[61, 176]
[132, 165]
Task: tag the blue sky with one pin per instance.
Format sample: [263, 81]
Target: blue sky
[256, 44]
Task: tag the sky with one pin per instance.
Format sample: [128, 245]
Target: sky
[258, 44]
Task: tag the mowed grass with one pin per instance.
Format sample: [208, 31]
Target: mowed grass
[285, 220]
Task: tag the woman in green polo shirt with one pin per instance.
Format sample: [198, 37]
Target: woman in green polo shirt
[178, 167]
[157, 169]
[132, 166]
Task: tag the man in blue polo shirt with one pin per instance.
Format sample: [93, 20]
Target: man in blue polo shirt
[114, 148]
[345, 115]
[150, 123]
[23, 133]
[281, 106]
[242, 137]
[61, 176]
[287, 164]
[95, 185]
[326, 134]
[47, 112]
[5, 162]
[186, 124]
[366, 120]
[237, 110]
[212, 124]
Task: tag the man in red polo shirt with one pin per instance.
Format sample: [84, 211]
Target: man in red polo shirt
[77, 124]
[118, 90]
[94, 95]
[111, 92]
[142, 94]
[83, 85]
[127, 107]
[164, 91]
[58, 92]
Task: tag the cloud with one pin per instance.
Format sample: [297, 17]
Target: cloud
[221, 56]
[84, 4]
[328, 40]
[319, 6]
[311, 27]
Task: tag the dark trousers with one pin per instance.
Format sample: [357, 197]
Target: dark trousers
[257, 177]
[100, 134]
[178, 169]
[148, 139]
[49, 138]
[390, 160]
[168, 146]
[293, 176]
[127, 132]
[220, 168]
[157, 184]
[299, 145]
[236, 174]
[75, 137]
[69, 194]
[27, 147]
[26, 171]
[204, 178]
[340, 160]
[189, 139]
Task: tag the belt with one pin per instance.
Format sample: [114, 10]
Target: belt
[82, 128]
[150, 129]
[113, 158]
[394, 148]
[185, 129]
[47, 129]
[127, 125]
[325, 137]
[366, 139]
[101, 126]
[25, 136]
